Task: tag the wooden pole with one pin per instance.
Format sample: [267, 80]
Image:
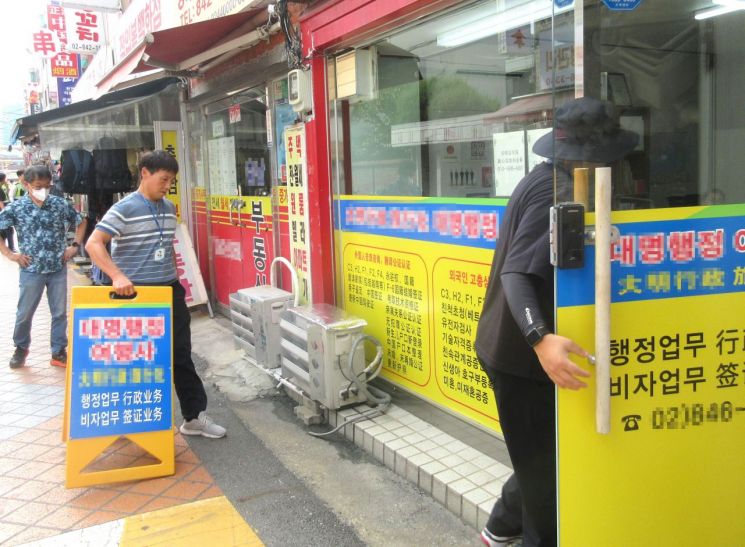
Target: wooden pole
[602, 297]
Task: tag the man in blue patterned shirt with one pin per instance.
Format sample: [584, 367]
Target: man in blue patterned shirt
[41, 222]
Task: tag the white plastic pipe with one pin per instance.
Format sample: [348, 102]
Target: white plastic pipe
[293, 275]
[602, 298]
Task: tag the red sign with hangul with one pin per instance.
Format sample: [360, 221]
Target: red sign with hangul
[65, 65]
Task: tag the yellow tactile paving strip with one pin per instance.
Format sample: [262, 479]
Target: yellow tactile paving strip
[209, 522]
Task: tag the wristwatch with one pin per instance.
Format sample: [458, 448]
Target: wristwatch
[536, 334]
[75, 244]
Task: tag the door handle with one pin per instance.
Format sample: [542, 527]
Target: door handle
[603, 236]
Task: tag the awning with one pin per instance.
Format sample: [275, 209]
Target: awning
[28, 126]
[183, 48]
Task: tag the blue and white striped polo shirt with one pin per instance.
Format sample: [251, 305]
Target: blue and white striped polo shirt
[136, 226]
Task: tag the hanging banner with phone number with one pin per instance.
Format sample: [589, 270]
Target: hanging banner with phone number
[672, 464]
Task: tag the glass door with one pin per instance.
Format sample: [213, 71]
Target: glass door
[650, 148]
[239, 173]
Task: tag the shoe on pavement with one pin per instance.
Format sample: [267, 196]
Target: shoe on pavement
[19, 358]
[204, 426]
[493, 540]
[59, 358]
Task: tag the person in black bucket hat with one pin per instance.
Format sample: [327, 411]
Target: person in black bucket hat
[586, 131]
[515, 342]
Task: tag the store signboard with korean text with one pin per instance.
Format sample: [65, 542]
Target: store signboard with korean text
[416, 269]
[119, 381]
[672, 464]
[167, 138]
[297, 195]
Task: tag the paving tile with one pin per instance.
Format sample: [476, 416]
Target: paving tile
[7, 506]
[30, 452]
[99, 517]
[64, 518]
[211, 492]
[29, 470]
[49, 411]
[183, 469]
[188, 457]
[53, 455]
[8, 483]
[153, 486]
[29, 490]
[55, 424]
[186, 490]
[35, 533]
[8, 464]
[7, 531]
[9, 431]
[30, 513]
[61, 495]
[159, 503]
[127, 502]
[55, 474]
[200, 474]
[93, 499]
[9, 447]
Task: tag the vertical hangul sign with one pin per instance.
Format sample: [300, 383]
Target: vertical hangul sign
[297, 190]
[119, 381]
[673, 458]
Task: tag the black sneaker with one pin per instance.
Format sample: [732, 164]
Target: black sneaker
[19, 358]
[59, 359]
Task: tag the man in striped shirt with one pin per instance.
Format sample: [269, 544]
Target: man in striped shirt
[140, 228]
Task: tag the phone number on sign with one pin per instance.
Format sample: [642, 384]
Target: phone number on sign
[683, 416]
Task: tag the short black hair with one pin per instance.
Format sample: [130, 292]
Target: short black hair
[37, 172]
[20, 172]
[158, 160]
[2, 177]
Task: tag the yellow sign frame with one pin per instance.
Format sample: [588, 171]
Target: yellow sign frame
[81, 452]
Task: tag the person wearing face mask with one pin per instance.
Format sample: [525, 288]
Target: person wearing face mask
[41, 222]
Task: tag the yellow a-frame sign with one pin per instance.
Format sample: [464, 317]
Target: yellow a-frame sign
[119, 379]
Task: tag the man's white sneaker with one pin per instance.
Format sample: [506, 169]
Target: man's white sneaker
[493, 540]
[204, 426]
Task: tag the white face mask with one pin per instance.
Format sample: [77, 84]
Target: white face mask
[40, 193]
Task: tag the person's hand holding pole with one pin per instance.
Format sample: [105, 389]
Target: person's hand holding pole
[553, 353]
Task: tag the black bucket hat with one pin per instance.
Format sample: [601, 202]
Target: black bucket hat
[585, 130]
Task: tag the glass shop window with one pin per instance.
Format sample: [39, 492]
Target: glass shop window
[239, 155]
[675, 72]
[449, 106]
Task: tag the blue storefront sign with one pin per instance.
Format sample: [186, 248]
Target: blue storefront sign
[64, 89]
[121, 374]
[622, 5]
[563, 3]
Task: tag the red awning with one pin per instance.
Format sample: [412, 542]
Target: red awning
[183, 48]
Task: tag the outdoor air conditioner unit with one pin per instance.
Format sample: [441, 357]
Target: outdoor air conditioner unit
[317, 345]
[255, 314]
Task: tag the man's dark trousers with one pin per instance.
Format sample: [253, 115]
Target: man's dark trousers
[189, 386]
[527, 416]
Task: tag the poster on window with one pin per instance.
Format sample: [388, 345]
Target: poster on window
[417, 269]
